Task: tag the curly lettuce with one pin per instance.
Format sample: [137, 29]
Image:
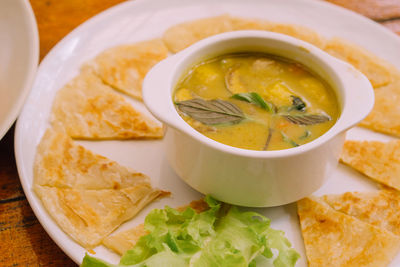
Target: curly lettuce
[220, 236]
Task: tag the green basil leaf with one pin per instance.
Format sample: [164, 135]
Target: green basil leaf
[254, 98]
[306, 134]
[288, 140]
[306, 119]
[211, 112]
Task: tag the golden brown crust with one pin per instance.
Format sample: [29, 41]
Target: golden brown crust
[381, 209]
[182, 35]
[88, 109]
[124, 67]
[377, 70]
[123, 241]
[88, 216]
[332, 238]
[60, 162]
[299, 32]
[185, 34]
[87, 194]
[377, 160]
[385, 116]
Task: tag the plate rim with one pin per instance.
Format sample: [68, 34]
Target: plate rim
[18, 148]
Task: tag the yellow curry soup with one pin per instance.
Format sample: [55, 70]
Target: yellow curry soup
[256, 101]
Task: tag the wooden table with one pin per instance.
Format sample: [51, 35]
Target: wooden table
[23, 241]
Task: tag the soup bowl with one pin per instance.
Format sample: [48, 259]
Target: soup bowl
[248, 177]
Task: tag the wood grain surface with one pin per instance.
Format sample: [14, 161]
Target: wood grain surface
[23, 241]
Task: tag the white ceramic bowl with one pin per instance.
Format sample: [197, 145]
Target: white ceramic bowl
[248, 177]
[19, 54]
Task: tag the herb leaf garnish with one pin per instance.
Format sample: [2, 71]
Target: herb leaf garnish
[254, 98]
[297, 103]
[306, 134]
[211, 112]
[288, 140]
[306, 119]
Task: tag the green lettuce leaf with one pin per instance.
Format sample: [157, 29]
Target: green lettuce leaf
[89, 261]
[287, 256]
[220, 236]
[165, 258]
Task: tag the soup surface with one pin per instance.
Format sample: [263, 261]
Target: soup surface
[256, 101]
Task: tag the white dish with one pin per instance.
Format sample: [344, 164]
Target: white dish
[144, 19]
[19, 54]
[247, 177]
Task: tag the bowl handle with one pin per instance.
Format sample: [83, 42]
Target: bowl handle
[157, 91]
[359, 99]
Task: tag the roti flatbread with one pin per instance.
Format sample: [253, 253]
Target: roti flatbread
[180, 36]
[88, 216]
[385, 116]
[60, 162]
[377, 160]
[299, 32]
[381, 208]
[124, 67]
[123, 241]
[88, 109]
[377, 70]
[332, 238]
[87, 194]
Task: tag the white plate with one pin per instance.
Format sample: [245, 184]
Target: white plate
[19, 54]
[144, 19]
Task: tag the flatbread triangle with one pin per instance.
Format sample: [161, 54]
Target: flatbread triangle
[88, 109]
[88, 215]
[180, 36]
[61, 162]
[88, 195]
[377, 70]
[377, 160]
[380, 208]
[385, 116]
[124, 67]
[333, 238]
